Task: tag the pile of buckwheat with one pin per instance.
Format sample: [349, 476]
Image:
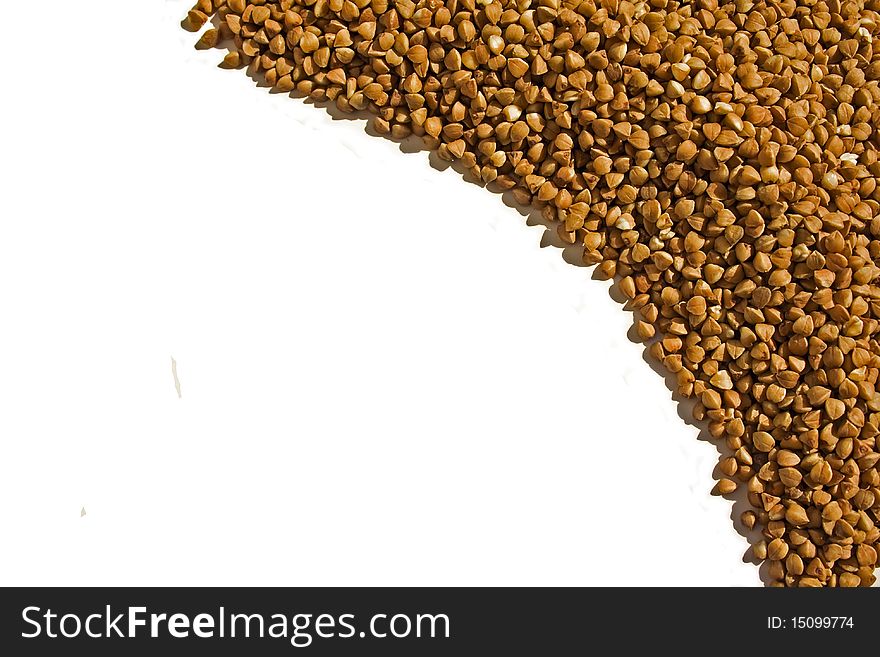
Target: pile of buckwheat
[719, 160]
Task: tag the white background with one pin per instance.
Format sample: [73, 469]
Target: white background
[385, 380]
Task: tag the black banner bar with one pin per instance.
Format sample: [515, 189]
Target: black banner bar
[427, 621]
